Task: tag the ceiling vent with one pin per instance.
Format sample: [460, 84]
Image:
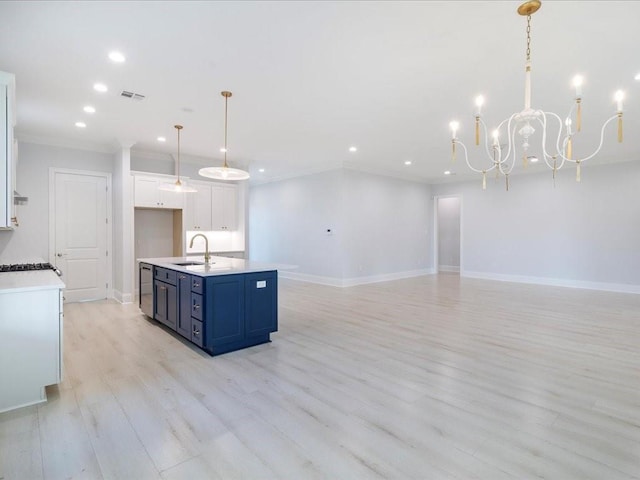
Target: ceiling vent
[131, 95]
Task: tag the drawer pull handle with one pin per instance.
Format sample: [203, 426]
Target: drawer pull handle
[196, 307]
[196, 285]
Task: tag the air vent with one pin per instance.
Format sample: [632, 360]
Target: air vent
[131, 95]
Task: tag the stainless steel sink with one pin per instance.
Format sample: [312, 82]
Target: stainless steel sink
[187, 264]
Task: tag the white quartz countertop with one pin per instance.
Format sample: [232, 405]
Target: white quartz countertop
[217, 266]
[13, 282]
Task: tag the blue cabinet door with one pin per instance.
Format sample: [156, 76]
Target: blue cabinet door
[166, 303]
[224, 310]
[261, 303]
[183, 322]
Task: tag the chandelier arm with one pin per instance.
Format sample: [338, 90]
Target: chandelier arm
[486, 139]
[546, 155]
[466, 157]
[580, 160]
[511, 146]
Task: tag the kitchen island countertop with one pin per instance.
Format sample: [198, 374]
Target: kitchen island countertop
[217, 266]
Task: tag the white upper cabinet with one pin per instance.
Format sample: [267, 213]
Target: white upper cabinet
[198, 212]
[7, 123]
[147, 194]
[213, 207]
[224, 207]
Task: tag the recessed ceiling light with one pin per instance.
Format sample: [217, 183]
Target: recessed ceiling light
[407, 162]
[116, 57]
[353, 149]
[637, 77]
[81, 125]
[162, 139]
[222, 149]
[100, 87]
[261, 170]
[447, 172]
[533, 159]
[89, 109]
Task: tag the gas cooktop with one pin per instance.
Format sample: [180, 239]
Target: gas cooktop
[27, 267]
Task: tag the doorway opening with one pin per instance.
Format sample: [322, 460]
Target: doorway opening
[448, 234]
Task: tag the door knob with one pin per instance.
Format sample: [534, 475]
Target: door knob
[59, 254]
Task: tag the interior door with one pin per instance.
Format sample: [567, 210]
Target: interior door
[80, 227]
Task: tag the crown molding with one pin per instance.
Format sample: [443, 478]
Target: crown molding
[301, 173]
[383, 172]
[68, 143]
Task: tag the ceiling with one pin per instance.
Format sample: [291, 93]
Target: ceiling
[310, 79]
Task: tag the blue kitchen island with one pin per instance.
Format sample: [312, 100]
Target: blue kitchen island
[222, 306]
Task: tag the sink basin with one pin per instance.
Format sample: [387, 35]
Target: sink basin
[187, 264]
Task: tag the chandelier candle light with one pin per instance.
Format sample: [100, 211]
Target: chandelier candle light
[224, 172]
[521, 123]
[178, 186]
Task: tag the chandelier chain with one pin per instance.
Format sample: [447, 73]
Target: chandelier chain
[528, 37]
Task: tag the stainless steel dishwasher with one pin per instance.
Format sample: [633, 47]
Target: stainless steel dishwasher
[146, 289]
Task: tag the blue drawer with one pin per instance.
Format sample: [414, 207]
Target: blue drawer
[196, 305]
[166, 275]
[197, 284]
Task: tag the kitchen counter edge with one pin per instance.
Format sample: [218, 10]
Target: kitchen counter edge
[218, 266]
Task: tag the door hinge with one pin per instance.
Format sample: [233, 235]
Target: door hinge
[106, 253]
[106, 220]
[107, 286]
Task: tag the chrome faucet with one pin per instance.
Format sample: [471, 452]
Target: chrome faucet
[207, 256]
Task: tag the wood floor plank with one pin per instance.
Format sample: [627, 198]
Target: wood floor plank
[20, 447]
[66, 448]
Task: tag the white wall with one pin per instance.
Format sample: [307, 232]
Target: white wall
[578, 234]
[288, 222]
[31, 239]
[448, 213]
[386, 226]
[379, 226]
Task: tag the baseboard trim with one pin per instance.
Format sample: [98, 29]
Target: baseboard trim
[449, 268]
[351, 282]
[122, 297]
[555, 282]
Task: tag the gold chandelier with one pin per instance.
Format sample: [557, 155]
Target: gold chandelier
[225, 172]
[503, 160]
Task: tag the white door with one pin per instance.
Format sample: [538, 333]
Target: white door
[80, 230]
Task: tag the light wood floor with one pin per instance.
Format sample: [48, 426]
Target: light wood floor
[435, 377]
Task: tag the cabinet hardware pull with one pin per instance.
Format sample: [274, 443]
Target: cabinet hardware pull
[196, 307]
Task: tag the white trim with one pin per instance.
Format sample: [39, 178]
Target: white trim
[67, 143]
[385, 172]
[556, 282]
[52, 234]
[350, 282]
[301, 173]
[122, 298]
[449, 268]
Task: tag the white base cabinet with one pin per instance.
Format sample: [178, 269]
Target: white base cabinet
[30, 345]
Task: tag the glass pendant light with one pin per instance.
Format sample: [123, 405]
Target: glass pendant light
[178, 186]
[225, 172]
